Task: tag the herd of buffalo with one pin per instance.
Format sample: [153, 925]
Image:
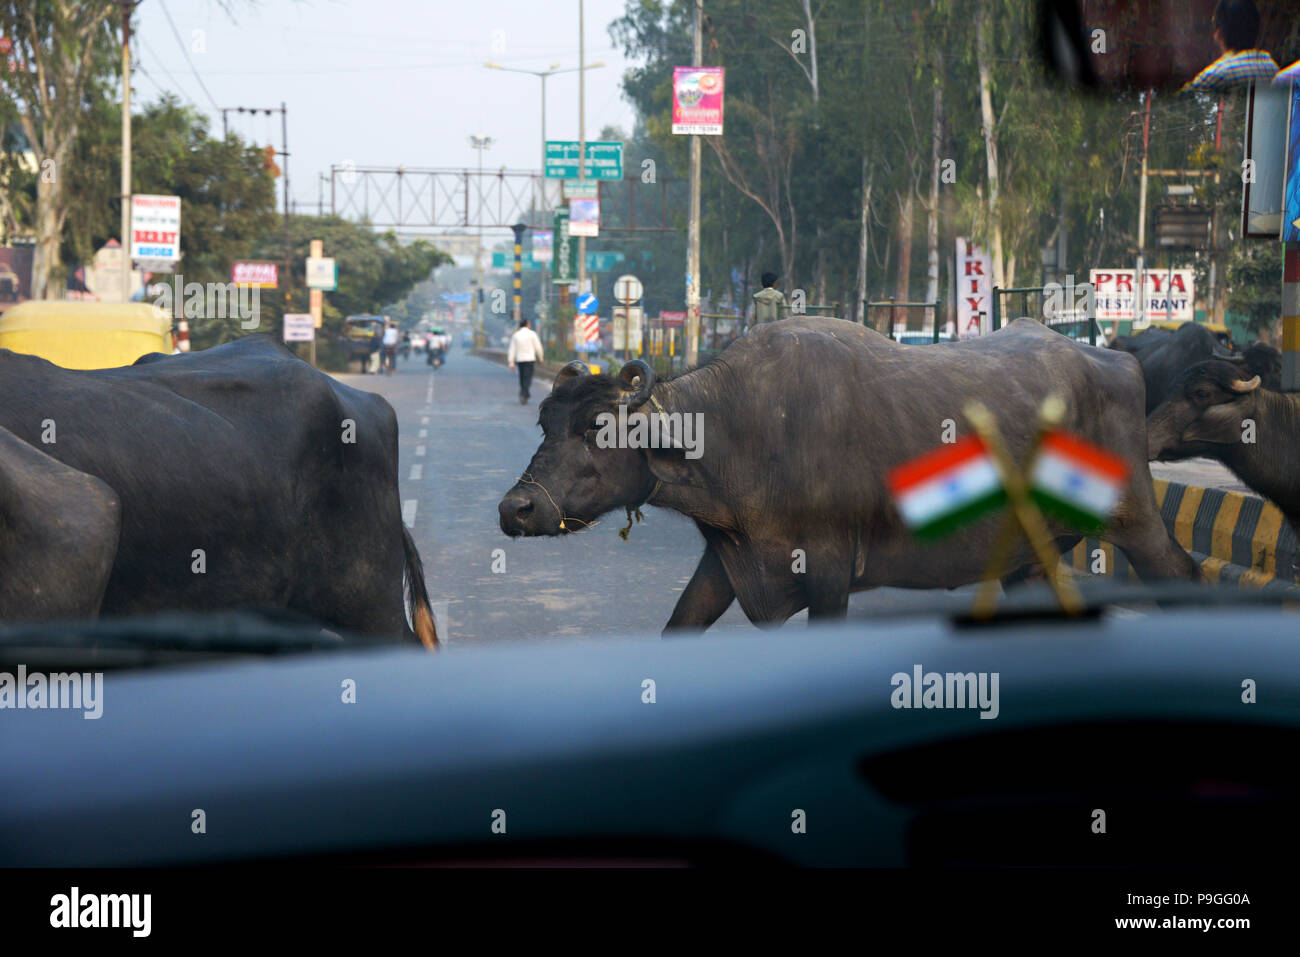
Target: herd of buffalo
[240, 477]
[234, 477]
[806, 417]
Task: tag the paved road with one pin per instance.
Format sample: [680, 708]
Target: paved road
[464, 440]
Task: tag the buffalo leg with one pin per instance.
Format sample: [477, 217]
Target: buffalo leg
[1140, 533]
[828, 591]
[707, 596]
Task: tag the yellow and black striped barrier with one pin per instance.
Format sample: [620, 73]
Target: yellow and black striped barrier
[1238, 539]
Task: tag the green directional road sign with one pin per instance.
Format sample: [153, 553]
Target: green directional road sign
[603, 261]
[604, 159]
[507, 261]
[596, 261]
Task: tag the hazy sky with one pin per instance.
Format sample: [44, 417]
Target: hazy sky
[384, 82]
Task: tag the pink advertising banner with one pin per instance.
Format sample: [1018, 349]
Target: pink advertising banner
[697, 99]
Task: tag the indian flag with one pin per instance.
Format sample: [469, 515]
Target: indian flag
[947, 487]
[1078, 482]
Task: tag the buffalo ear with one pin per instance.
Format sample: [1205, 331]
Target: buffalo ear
[1219, 423]
[570, 371]
[672, 467]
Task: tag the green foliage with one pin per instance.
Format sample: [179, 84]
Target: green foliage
[783, 188]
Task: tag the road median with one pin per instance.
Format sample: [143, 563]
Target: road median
[1238, 539]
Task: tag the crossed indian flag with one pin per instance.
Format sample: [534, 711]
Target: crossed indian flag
[1077, 482]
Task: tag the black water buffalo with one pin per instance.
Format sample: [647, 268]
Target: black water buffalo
[1166, 354]
[58, 536]
[246, 479]
[803, 419]
[1219, 413]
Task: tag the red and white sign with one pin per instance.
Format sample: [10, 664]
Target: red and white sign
[1169, 295]
[156, 227]
[974, 290]
[672, 319]
[697, 99]
[259, 273]
[586, 329]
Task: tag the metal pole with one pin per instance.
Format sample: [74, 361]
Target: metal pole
[518, 277]
[582, 138]
[126, 153]
[1141, 302]
[693, 228]
[288, 255]
[545, 268]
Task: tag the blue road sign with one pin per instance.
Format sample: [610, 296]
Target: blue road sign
[587, 303]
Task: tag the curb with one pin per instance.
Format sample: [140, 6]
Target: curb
[1237, 539]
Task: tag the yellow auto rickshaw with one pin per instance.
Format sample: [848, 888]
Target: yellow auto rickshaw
[86, 335]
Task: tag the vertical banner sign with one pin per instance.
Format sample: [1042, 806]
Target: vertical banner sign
[156, 227]
[566, 255]
[1291, 201]
[584, 217]
[620, 328]
[974, 290]
[1265, 161]
[697, 100]
[543, 245]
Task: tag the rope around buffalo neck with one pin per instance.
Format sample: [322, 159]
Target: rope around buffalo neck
[634, 511]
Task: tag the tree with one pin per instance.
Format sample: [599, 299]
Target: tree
[63, 55]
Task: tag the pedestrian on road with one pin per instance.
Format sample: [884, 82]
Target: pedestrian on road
[768, 301]
[525, 351]
[391, 337]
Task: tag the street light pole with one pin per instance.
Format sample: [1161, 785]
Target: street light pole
[541, 176]
[479, 143]
[582, 140]
[693, 227]
[127, 6]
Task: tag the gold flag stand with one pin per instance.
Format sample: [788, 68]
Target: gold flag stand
[1022, 512]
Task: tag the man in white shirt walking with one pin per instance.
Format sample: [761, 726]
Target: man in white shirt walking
[525, 351]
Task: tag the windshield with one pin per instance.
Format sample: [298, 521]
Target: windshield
[858, 346]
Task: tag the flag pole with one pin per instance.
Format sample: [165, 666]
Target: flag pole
[1023, 512]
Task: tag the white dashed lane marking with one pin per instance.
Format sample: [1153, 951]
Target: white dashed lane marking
[408, 512]
[417, 473]
[419, 450]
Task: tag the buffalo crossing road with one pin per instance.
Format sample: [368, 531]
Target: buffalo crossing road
[464, 439]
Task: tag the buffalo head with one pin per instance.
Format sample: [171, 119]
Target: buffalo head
[572, 480]
[1207, 409]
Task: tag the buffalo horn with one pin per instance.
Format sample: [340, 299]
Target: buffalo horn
[631, 371]
[570, 371]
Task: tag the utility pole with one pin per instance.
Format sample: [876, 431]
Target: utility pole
[127, 7]
[541, 179]
[1140, 303]
[479, 143]
[693, 229]
[582, 141]
[288, 265]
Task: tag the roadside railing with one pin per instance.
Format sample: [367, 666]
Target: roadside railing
[1026, 292]
[893, 306]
